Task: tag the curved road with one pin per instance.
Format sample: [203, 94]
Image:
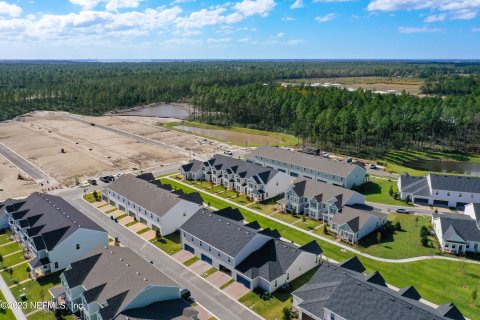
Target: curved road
[341, 245]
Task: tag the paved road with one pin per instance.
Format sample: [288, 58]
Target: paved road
[413, 210]
[213, 299]
[26, 166]
[341, 245]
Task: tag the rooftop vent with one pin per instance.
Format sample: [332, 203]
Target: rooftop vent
[127, 264]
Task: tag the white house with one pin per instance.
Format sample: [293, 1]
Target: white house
[152, 203]
[115, 283]
[302, 165]
[458, 233]
[318, 200]
[440, 189]
[251, 256]
[255, 181]
[344, 292]
[53, 233]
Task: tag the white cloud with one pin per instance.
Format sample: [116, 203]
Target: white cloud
[252, 7]
[475, 29]
[288, 19]
[219, 40]
[8, 9]
[118, 4]
[295, 42]
[280, 35]
[332, 1]
[418, 30]
[86, 4]
[436, 18]
[202, 18]
[326, 18]
[297, 4]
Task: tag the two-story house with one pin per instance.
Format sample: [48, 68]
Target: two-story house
[318, 200]
[152, 203]
[115, 283]
[52, 232]
[440, 189]
[344, 292]
[251, 256]
[302, 165]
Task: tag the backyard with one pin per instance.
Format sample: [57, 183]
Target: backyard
[170, 243]
[377, 190]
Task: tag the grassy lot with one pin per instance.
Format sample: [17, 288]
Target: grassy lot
[287, 217]
[4, 234]
[439, 281]
[122, 216]
[47, 316]
[143, 230]
[19, 274]
[395, 160]
[377, 190]
[9, 248]
[272, 309]
[90, 198]
[12, 260]
[5, 314]
[287, 140]
[191, 261]
[131, 223]
[171, 244]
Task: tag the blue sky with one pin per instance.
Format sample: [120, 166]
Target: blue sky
[245, 29]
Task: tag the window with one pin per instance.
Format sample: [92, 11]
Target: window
[209, 248]
[151, 215]
[288, 276]
[56, 265]
[228, 259]
[218, 254]
[78, 246]
[158, 219]
[460, 195]
[436, 193]
[192, 238]
[448, 194]
[275, 283]
[332, 316]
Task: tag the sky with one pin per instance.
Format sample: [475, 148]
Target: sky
[240, 29]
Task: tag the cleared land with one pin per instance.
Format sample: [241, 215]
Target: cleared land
[10, 184]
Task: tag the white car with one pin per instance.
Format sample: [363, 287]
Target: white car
[84, 184]
[228, 152]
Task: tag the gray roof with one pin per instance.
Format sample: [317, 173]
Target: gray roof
[48, 219]
[476, 211]
[177, 309]
[458, 225]
[150, 196]
[352, 296]
[115, 275]
[304, 160]
[356, 216]
[193, 166]
[455, 183]
[322, 192]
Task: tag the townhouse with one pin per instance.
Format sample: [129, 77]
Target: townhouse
[152, 203]
[116, 283]
[459, 233]
[344, 292]
[297, 164]
[52, 232]
[318, 200]
[255, 181]
[439, 189]
[253, 257]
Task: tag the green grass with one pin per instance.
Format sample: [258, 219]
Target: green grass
[170, 244]
[272, 309]
[191, 261]
[122, 216]
[12, 260]
[286, 139]
[47, 316]
[287, 217]
[5, 314]
[90, 198]
[439, 281]
[377, 190]
[9, 248]
[143, 230]
[165, 174]
[131, 223]
[226, 284]
[36, 290]
[19, 274]
[308, 224]
[209, 272]
[4, 235]
[111, 210]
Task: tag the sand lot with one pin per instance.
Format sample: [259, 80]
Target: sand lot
[70, 150]
[10, 185]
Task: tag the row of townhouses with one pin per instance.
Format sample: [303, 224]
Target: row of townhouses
[346, 292]
[342, 209]
[440, 190]
[257, 182]
[302, 165]
[254, 257]
[459, 233]
[152, 203]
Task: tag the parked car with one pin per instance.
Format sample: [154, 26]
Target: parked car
[185, 294]
[84, 184]
[402, 210]
[93, 182]
[228, 152]
[106, 179]
[373, 166]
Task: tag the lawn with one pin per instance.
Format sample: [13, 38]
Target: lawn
[377, 190]
[272, 309]
[122, 216]
[9, 248]
[143, 230]
[110, 211]
[131, 223]
[287, 217]
[191, 261]
[90, 198]
[437, 280]
[36, 290]
[5, 314]
[171, 244]
[226, 284]
[47, 316]
[4, 234]
[209, 272]
[19, 274]
[12, 259]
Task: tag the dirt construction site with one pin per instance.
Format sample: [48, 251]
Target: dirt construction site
[72, 148]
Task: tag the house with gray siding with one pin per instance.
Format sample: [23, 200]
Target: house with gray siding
[302, 165]
[257, 182]
[440, 189]
[458, 233]
[52, 232]
[152, 203]
[345, 292]
[254, 257]
[318, 200]
[115, 283]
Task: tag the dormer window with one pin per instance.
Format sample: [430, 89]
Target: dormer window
[77, 246]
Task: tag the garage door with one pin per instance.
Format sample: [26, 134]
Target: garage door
[440, 203]
[132, 214]
[143, 221]
[122, 208]
[421, 201]
[243, 281]
[206, 259]
[188, 248]
[112, 202]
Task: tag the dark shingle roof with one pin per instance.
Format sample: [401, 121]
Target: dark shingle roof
[177, 309]
[230, 213]
[49, 219]
[455, 183]
[312, 247]
[353, 264]
[458, 225]
[192, 166]
[410, 292]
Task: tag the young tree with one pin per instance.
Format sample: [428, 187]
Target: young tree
[424, 241]
[287, 313]
[407, 199]
[398, 226]
[390, 191]
[474, 294]
[1, 260]
[95, 195]
[325, 228]
[416, 220]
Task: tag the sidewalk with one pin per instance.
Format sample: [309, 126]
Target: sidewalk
[19, 315]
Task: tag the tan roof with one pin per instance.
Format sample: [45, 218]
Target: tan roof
[304, 160]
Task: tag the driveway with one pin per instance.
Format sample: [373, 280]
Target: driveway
[182, 256]
[137, 227]
[105, 208]
[99, 203]
[218, 278]
[200, 267]
[149, 235]
[236, 290]
[203, 314]
[125, 220]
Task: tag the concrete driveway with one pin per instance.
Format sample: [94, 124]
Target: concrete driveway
[106, 208]
[218, 278]
[137, 227]
[99, 203]
[200, 267]
[182, 256]
[203, 314]
[149, 235]
[125, 220]
[236, 290]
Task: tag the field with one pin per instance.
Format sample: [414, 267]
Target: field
[10, 184]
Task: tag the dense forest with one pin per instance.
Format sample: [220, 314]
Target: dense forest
[246, 93]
